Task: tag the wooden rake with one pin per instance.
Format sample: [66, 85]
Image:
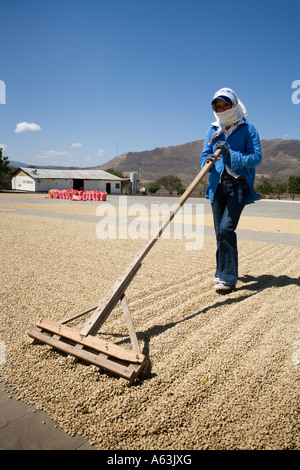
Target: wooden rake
[127, 363]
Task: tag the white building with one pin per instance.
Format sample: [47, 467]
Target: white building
[42, 180]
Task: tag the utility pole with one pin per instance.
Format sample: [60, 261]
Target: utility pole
[139, 163]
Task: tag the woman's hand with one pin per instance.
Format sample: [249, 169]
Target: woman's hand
[223, 146]
[212, 157]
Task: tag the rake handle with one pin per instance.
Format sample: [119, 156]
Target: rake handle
[198, 178]
[105, 307]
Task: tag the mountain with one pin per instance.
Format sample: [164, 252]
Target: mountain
[281, 159]
[18, 164]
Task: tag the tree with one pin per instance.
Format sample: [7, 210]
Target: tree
[170, 183]
[279, 189]
[294, 185]
[264, 186]
[153, 187]
[112, 171]
[177, 186]
[4, 164]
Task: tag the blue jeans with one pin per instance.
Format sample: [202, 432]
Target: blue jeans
[229, 202]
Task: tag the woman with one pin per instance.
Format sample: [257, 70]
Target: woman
[231, 178]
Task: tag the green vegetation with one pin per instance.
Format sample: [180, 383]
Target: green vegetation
[170, 183]
[112, 171]
[266, 188]
[5, 169]
[293, 186]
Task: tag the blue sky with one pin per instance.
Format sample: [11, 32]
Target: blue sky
[101, 78]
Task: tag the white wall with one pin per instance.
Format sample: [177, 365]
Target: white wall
[99, 185]
[50, 183]
[94, 185]
[23, 182]
[114, 188]
[26, 183]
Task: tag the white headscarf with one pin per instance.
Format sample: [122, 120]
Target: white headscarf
[232, 116]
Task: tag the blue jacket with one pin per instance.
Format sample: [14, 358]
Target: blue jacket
[245, 154]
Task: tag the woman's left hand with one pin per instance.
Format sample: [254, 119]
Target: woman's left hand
[223, 146]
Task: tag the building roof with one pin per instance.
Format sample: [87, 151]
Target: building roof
[43, 173]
